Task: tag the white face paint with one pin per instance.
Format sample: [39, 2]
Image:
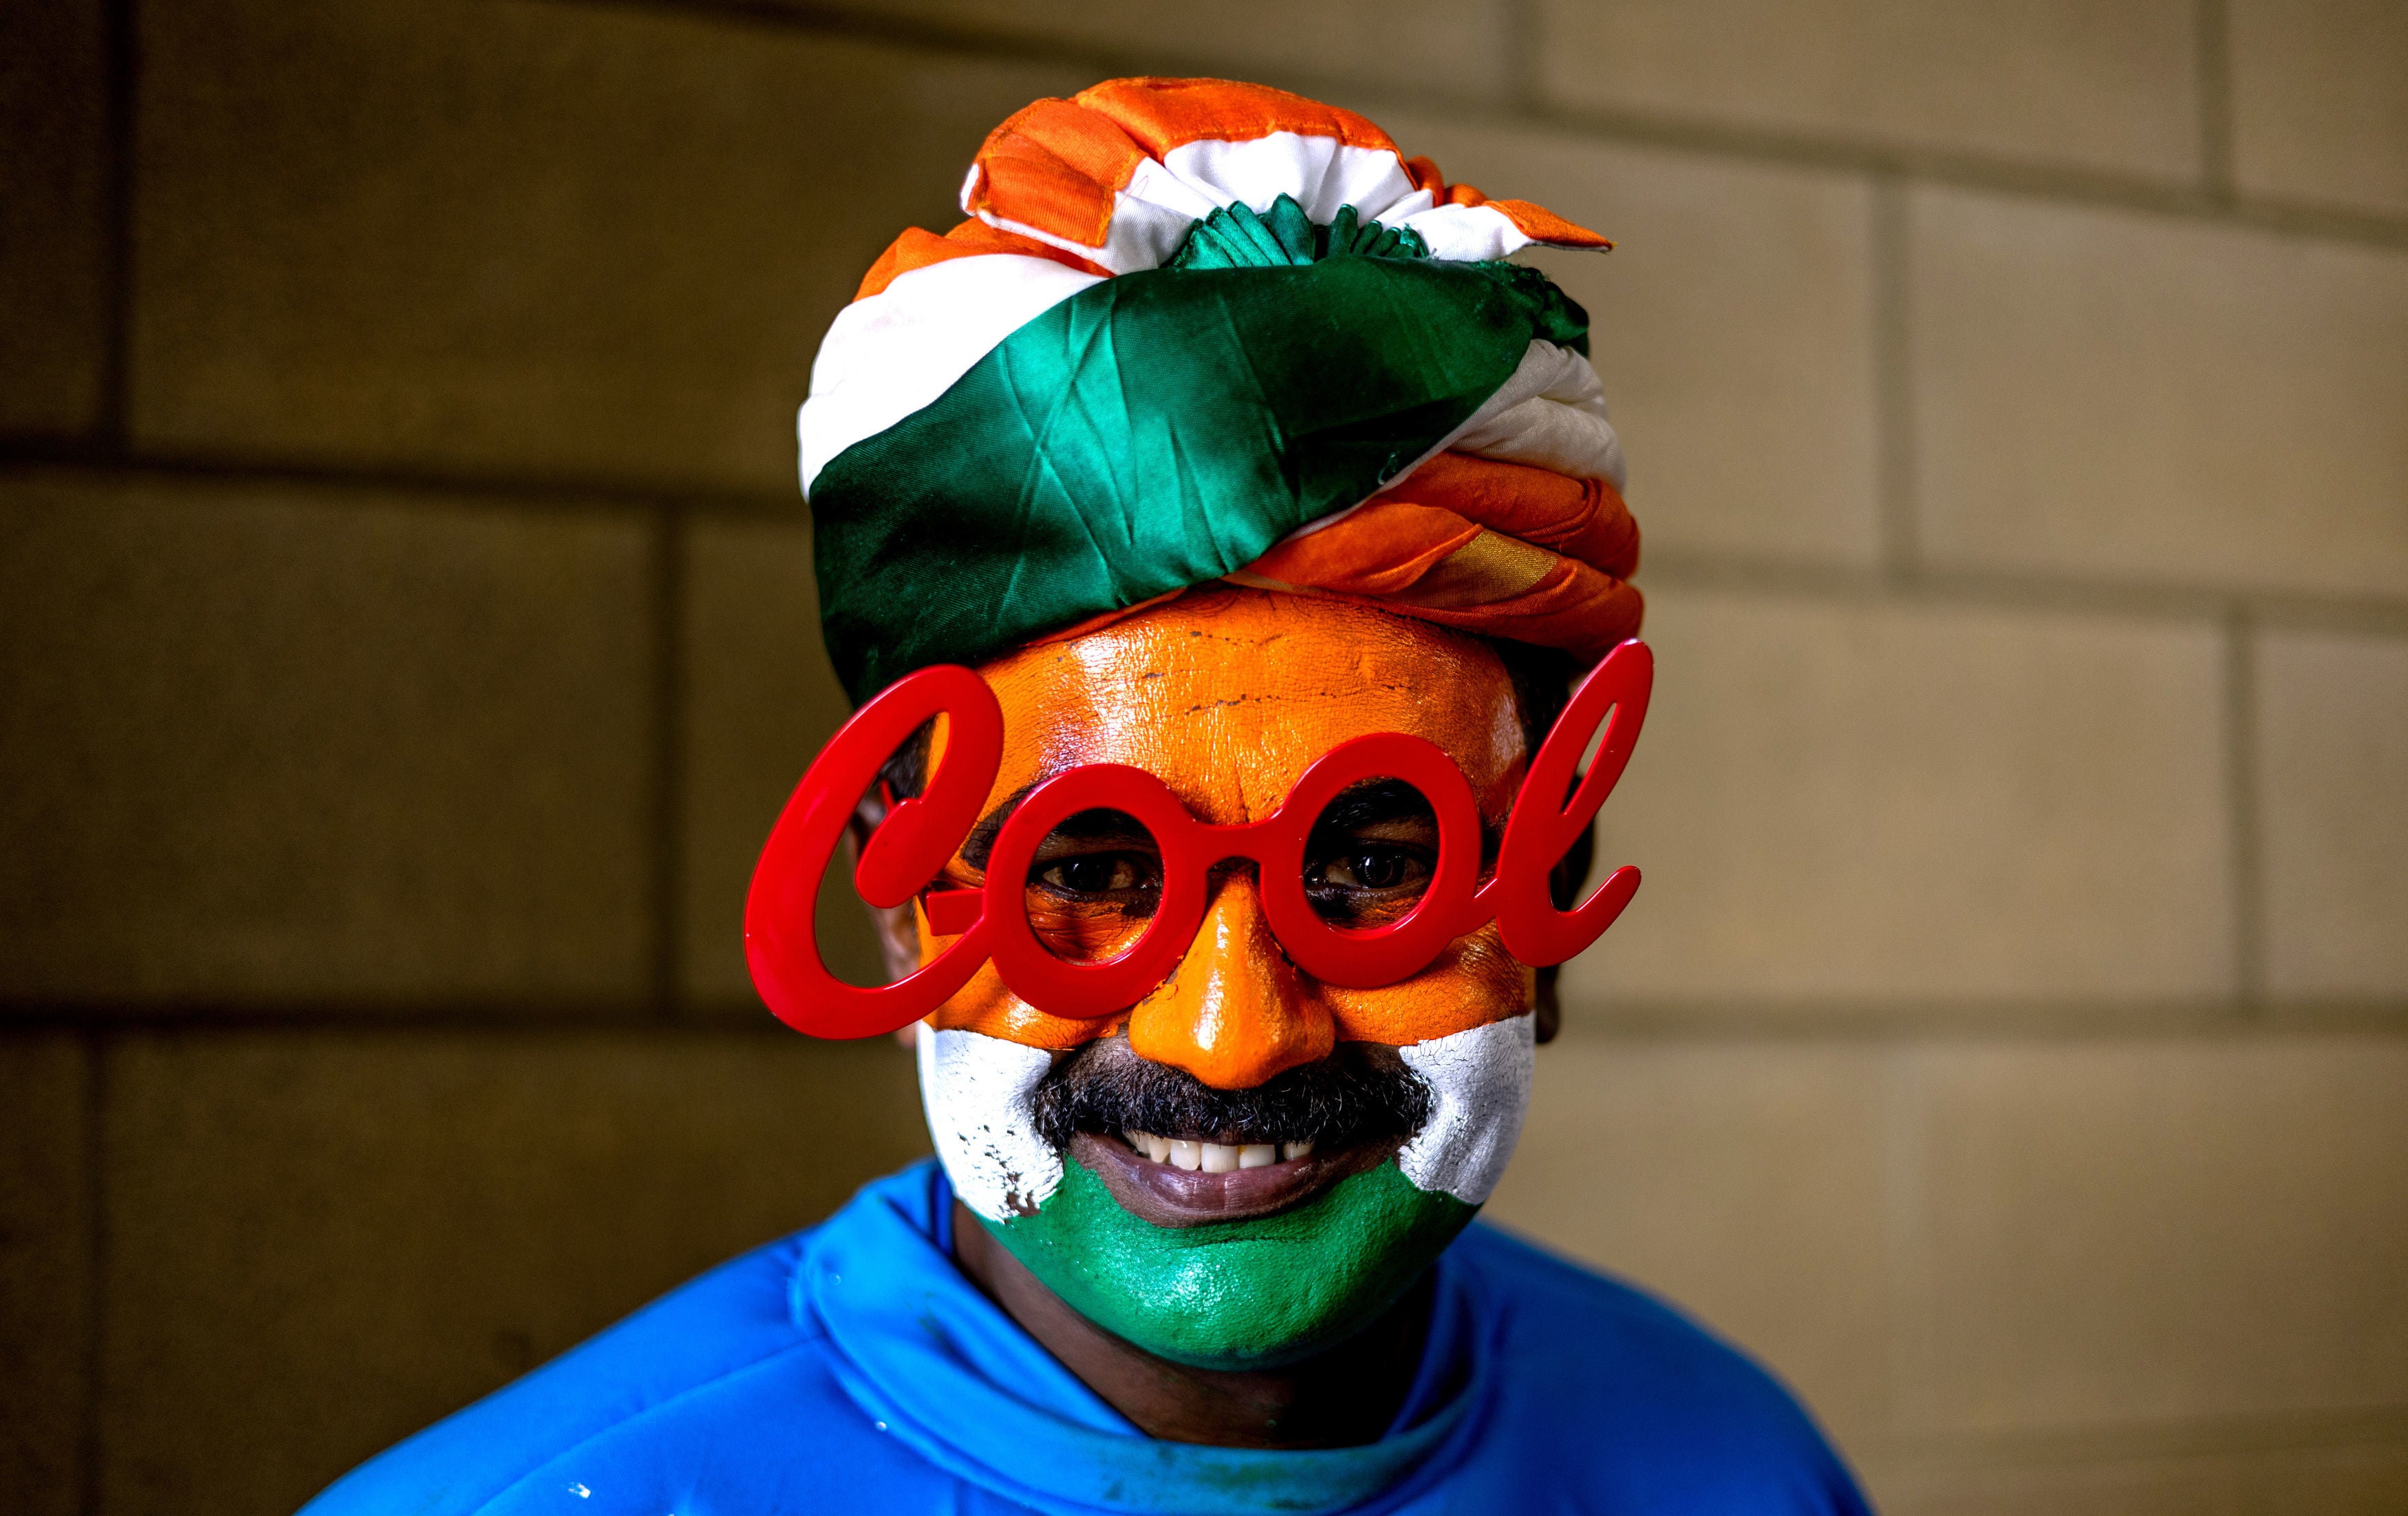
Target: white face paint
[981, 1093]
[1482, 1083]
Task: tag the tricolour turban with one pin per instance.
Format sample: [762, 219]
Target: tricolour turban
[1198, 331]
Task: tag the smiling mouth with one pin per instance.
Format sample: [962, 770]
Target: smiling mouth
[1214, 1157]
[1195, 1182]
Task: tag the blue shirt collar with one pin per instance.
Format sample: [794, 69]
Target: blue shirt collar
[939, 1365]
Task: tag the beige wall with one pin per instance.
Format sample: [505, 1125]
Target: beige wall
[406, 635]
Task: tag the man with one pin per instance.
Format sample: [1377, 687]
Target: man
[1221, 441]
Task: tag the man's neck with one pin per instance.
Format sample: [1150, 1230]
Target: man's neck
[1343, 1397]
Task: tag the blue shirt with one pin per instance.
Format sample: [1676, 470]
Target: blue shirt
[853, 1368]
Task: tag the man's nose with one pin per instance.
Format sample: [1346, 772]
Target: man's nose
[1235, 1012]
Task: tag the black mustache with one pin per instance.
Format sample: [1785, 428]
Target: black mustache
[1358, 1093]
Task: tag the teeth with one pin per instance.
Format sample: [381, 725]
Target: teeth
[1213, 1157]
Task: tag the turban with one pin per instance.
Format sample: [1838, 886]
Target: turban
[1198, 331]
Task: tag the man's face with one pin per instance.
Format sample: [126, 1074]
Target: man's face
[1248, 1165]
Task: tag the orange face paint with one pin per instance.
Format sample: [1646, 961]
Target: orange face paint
[1228, 696]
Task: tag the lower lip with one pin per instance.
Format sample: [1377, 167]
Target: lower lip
[1169, 1196]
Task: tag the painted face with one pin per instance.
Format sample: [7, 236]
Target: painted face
[1247, 1164]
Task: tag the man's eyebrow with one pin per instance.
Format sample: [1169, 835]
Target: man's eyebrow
[1376, 801]
[980, 842]
[1372, 802]
[1085, 825]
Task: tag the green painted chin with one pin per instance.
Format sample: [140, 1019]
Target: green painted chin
[1237, 1294]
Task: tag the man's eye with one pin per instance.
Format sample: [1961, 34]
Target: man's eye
[1371, 866]
[1095, 873]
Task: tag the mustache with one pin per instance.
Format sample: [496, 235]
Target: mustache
[1360, 1092]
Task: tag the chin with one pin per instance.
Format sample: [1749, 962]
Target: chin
[1257, 1292]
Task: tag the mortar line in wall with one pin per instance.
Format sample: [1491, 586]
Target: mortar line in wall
[1710, 1018]
[1666, 568]
[916, 32]
[2247, 865]
[2213, 23]
[1520, 21]
[1894, 486]
[2304, 612]
[348, 1016]
[1906, 1252]
[669, 755]
[1099, 61]
[443, 489]
[2263, 1433]
[1703, 1018]
[1789, 579]
[115, 376]
[1968, 170]
[97, 1241]
[1942, 168]
[179, 1025]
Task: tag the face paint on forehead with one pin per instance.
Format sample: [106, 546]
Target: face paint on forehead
[1370, 873]
[1229, 694]
[1324, 883]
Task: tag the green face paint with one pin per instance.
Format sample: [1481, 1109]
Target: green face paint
[1252, 1294]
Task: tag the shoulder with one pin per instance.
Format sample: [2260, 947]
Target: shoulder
[1656, 1403]
[708, 1349]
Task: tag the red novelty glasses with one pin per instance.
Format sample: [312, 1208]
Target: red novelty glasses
[918, 837]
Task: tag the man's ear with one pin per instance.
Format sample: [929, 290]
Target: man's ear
[1563, 887]
[898, 935]
[1547, 1009]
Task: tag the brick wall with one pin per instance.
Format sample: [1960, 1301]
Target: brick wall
[407, 633]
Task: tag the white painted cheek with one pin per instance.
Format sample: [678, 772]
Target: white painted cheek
[980, 1094]
[1480, 1082]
